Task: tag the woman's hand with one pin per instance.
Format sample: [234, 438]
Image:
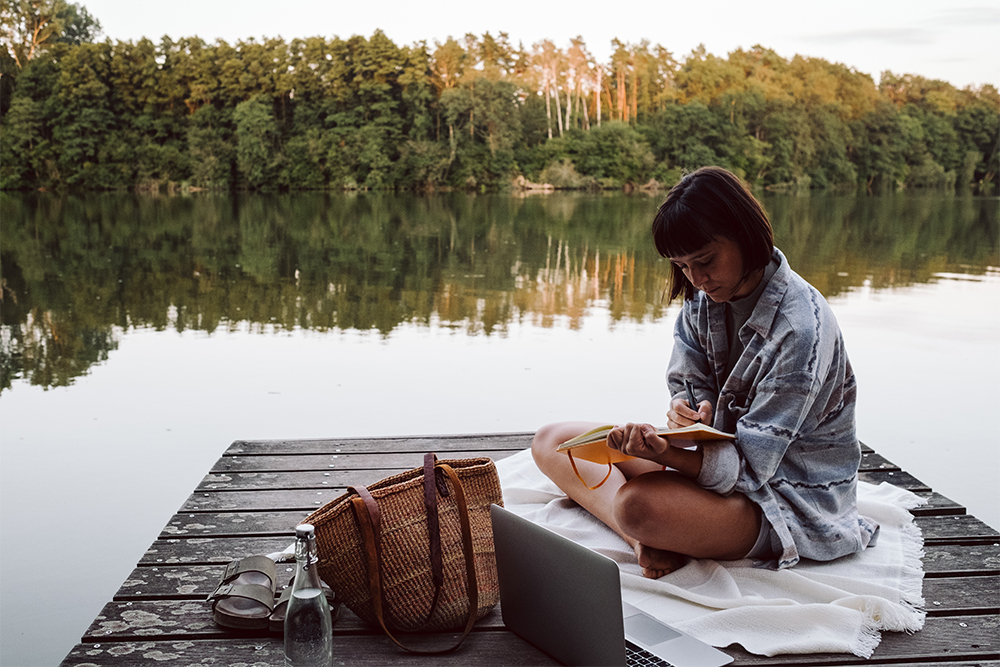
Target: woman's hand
[680, 414]
[639, 440]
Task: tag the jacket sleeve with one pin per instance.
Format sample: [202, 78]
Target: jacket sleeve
[690, 361]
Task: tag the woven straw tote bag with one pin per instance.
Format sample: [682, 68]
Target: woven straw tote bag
[414, 552]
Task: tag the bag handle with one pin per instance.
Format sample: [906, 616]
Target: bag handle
[369, 520]
[572, 462]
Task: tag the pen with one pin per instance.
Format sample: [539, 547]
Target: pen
[692, 403]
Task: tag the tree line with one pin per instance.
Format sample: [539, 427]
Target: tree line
[473, 113]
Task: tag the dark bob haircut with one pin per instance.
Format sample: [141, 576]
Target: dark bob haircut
[707, 204]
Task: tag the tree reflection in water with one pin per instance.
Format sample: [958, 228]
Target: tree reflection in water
[78, 273]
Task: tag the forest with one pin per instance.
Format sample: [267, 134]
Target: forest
[477, 113]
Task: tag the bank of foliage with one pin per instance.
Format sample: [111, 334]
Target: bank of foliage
[331, 113]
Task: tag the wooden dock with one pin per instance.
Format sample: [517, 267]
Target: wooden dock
[251, 500]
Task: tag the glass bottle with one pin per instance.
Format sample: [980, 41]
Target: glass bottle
[308, 626]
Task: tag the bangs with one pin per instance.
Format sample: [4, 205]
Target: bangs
[678, 230]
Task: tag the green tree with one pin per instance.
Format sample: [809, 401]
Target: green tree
[78, 25]
[211, 147]
[687, 136]
[880, 157]
[485, 115]
[28, 156]
[85, 121]
[256, 144]
[615, 154]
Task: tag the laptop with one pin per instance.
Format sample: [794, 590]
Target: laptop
[567, 600]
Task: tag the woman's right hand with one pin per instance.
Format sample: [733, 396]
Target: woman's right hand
[680, 414]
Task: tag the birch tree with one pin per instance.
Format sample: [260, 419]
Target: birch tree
[448, 66]
[546, 60]
[578, 62]
[28, 26]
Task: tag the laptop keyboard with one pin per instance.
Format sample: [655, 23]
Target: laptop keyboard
[636, 656]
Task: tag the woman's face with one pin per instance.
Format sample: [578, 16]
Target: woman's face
[717, 270]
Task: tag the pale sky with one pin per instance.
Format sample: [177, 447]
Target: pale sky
[953, 40]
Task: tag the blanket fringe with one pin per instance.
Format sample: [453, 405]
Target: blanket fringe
[867, 640]
[909, 615]
[912, 579]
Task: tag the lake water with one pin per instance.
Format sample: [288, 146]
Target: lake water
[141, 336]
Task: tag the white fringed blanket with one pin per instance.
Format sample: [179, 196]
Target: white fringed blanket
[840, 607]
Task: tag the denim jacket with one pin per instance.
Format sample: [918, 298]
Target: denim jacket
[790, 401]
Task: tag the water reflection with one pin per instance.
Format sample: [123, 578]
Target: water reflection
[78, 272]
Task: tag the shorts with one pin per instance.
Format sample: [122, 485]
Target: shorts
[766, 546]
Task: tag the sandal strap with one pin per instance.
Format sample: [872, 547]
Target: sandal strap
[261, 594]
[286, 594]
[261, 564]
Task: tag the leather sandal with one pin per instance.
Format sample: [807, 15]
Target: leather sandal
[276, 622]
[244, 598]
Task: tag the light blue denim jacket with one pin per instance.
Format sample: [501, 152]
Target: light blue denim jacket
[790, 401]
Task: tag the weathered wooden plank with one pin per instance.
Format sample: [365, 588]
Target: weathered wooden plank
[480, 648]
[130, 620]
[179, 582]
[304, 479]
[206, 550]
[898, 478]
[964, 640]
[939, 559]
[330, 462]
[959, 663]
[309, 497]
[250, 499]
[961, 529]
[341, 461]
[217, 524]
[874, 461]
[964, 596]
[419, 444]
[259, 501]
[970, 595]
[937, 505]
[949, 560]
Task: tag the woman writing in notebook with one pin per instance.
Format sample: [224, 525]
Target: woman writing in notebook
[767, 361]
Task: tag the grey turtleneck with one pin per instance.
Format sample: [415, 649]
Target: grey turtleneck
[738, 312]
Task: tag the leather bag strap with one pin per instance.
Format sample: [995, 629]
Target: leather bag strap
[433, 525]
[369, 520]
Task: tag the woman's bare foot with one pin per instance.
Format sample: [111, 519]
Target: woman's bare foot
[656, 563]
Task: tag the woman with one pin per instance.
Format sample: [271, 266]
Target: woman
[767, 361]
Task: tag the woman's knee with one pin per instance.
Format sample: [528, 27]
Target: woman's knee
[642, 506]
[550, 436]
[545, 442]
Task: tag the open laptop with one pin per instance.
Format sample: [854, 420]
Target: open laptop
[567, 600]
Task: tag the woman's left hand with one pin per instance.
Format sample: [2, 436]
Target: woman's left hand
[639, 440]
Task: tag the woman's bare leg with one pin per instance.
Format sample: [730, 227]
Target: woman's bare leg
[661, 514]
[556, 465]
[668, 513]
